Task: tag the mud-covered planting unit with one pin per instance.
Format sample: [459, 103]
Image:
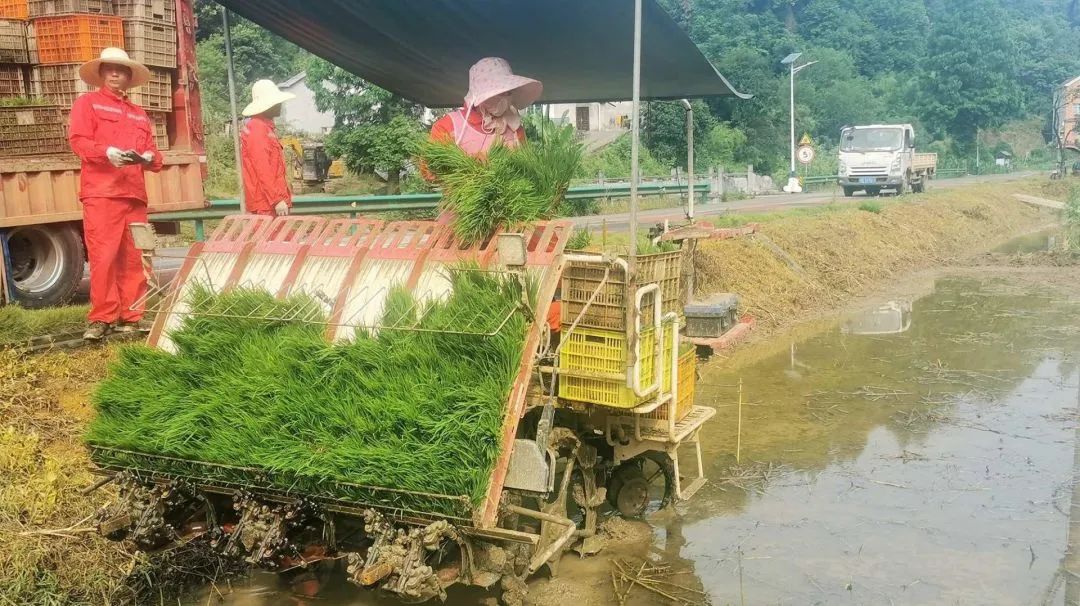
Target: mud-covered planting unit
[319, 390]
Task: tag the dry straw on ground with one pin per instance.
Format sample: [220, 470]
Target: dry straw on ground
[830, 255]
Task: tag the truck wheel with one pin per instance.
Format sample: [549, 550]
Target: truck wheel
[902, 188]
[873, 191]
[46, 263]
[849, 191]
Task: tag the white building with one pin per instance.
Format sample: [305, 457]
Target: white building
[593, 117]
[300, 114]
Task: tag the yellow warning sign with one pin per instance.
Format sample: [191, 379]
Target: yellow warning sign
[806, 140]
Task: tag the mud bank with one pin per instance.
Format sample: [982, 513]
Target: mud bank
[801, 265]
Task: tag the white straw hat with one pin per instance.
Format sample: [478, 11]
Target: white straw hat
[264, 95]
[90, 72]
[492, 76]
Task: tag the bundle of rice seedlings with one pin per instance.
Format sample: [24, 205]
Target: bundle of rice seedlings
[507, 187]
[417, 410]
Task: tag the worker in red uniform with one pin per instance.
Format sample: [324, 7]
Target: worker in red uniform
[114, 139]
[266, 189]
[492, 108]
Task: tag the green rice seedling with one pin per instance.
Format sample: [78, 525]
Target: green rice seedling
[579, 240]
[407, 409]
[507, 187]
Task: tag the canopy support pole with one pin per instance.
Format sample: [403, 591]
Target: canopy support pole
[635, 178]
[232, 104]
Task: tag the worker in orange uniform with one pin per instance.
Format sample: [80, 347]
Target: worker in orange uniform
[266, 189]
[114, 139]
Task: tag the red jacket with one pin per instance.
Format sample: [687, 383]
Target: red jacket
[103, 119]
[264, 166]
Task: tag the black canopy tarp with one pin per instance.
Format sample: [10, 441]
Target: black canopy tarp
[582, 50]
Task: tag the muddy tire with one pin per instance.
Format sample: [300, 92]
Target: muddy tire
[642, 485]
[47, 263]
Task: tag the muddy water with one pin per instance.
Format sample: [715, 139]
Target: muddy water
[920, 452]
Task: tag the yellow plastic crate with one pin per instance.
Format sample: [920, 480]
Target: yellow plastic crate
[592, 366]
[687, 381]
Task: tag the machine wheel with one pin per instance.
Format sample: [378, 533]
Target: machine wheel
[903, 187]
[642, 485]
[873, 191]
[849, 191]
[46, 263]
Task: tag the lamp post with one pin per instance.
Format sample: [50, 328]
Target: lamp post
[793, 186]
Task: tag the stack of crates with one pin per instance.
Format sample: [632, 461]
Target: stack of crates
[150, 38]
[28, 126]
[43, 43]
[593, 357]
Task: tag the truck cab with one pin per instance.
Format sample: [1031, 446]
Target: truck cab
[882, 156]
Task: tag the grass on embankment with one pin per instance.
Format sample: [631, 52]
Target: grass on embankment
[806, 262]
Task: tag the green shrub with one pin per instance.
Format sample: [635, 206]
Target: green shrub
[871, 206]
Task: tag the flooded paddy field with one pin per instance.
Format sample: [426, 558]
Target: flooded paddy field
[922, 449]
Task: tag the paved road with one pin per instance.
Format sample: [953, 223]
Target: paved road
[167, 265]
[770, 203]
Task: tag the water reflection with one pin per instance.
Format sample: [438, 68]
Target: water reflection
[886, 319]
[899, 466]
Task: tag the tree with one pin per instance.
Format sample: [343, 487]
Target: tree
[969, 74]
[664, 129]
[377, 147]
[374, 130]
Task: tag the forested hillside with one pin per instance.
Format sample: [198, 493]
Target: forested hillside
[955, 68]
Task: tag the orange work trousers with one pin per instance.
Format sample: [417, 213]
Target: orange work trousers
[117, 281]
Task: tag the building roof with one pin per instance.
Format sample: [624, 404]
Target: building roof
[422, 49]
[292, 81]
[1072, 82]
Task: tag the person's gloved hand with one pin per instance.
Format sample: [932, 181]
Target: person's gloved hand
[281, 209]
[148, 156]
[116, 157]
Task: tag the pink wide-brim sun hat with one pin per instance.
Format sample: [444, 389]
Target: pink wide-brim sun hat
[492, 76]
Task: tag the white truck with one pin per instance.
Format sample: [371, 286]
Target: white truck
[882, 156]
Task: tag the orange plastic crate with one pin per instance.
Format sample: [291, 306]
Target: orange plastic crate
[76, 38]
[14, 9]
